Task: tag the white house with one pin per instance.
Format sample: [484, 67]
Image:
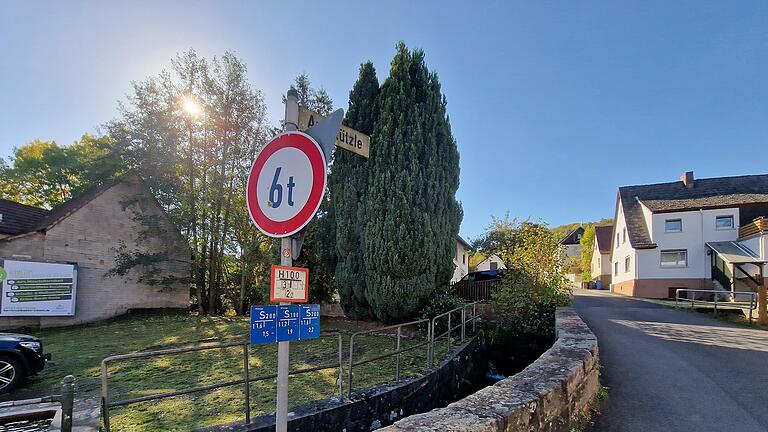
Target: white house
[460, 259]
[601, 256]
[493, 262]
[690, 233]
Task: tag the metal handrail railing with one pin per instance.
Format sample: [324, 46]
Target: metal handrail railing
[450, 330]
[752, 305]
[398, 351]
[106, 404]
[431, 338]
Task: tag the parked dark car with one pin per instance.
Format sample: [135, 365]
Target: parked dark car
[21, 356]
[483, 276]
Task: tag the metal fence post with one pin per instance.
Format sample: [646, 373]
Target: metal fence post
[397, 358]
[463, 322]
[474, 318]
[104, 397]
[430, 343]
[341, 369]
[247, 379]
[433, 324]
[67, 402]
[450, 342]
[349, 372]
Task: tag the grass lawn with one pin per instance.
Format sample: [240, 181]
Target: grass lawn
[79, 351]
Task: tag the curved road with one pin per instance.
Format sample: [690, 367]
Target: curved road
[675, 370]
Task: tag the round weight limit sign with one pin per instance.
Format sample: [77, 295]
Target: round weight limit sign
[286, 184]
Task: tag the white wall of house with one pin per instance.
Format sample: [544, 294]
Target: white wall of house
[698, 228]
[601, 262]
[621, 249]
[461, 261]
[486, 264]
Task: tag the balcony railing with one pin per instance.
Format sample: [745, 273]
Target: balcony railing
[757, 226]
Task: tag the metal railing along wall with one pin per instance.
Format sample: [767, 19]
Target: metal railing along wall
[448, 316]
[454, 320]
[66, 399]
[751, 305]
[432, 324]
[396, 353]
[106, 403]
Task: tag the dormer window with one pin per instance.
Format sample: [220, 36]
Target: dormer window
[673, 225]
[1, 218]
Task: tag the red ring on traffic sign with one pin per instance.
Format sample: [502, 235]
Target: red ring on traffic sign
[314, 153]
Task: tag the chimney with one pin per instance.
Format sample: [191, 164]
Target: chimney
[687, 179]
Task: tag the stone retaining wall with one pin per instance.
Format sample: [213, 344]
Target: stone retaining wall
[550, 395]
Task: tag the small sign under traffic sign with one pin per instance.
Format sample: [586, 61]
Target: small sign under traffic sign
[289, 284]
[270, 324]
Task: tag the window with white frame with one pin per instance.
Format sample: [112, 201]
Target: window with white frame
[673, 225]
[624, 236]
[674, 258]
[616, 268]
[626, 265]
[617, 240]
[724, 222]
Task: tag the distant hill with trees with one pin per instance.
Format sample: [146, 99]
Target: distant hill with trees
[563, 230]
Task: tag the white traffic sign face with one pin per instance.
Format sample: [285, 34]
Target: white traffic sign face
[289, 284]
[286, 184]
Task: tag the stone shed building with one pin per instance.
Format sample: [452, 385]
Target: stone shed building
[97, 230]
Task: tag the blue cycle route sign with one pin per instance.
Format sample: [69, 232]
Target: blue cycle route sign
[263, 324]
[310, 321]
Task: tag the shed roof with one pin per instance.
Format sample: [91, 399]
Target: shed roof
[735, 253]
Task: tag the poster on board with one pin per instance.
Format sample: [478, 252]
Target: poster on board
[37, 289]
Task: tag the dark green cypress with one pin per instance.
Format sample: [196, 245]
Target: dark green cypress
[348, 183]
[411, 210]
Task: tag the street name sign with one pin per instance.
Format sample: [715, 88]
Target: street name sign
[286, 184]
[347, 138]
[270, 324]
[289, 284]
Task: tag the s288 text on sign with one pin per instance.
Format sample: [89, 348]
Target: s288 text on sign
[289, 284]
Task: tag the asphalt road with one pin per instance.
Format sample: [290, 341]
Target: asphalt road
[675, 370]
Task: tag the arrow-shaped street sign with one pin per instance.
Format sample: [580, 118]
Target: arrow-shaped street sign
[346, 137]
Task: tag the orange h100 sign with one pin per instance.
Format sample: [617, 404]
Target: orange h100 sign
[289, 284]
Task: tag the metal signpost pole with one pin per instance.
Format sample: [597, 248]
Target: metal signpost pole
[286, 259]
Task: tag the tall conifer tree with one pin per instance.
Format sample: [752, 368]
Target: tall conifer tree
[413, 174]
[348, 183]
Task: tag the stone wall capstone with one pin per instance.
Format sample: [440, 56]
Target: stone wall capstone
[550, 395]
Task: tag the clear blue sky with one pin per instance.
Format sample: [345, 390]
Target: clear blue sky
[553, 104]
